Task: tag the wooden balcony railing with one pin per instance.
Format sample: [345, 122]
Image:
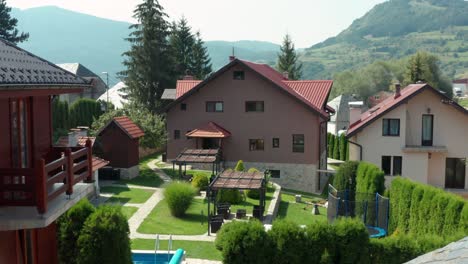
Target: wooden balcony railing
[39, 185]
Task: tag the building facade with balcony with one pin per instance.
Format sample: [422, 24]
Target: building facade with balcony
[251, 112]
[417, 133]
[38, 182]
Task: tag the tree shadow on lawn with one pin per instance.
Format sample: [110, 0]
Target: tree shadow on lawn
[194, 218]
[283, 209]
[114, 190]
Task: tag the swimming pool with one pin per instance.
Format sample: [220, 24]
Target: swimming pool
[149, 257]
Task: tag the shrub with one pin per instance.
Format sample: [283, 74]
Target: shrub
[84, 111]
[200, 182]
[244, 242]
[345, 177]
[416, 199]
[343, 146]
[336, 148]
[464, 219]
[229, 196]
[319, 239]
[287, 248]
[351, 241]
[70, 225]
[179, 196]
[452, 214]
[104, 238]
[239, 166]
[331, 145]
[253, 194]
[393, 250]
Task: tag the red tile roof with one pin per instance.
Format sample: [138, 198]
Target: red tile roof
[184, 86]
[99, 163]
[209, 130]
[461, 81]
[313, 93]
[127, 125]
[390, 103]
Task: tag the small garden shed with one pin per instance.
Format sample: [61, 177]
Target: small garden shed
[119, 142]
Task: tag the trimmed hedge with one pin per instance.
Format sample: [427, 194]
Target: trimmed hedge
[84, 111]
[70, 225]
[105, 238]
[244, 243]
[179, 197]
[421, 209]
[347, 171]
[286, 235]
[253, 194]
[239, 166]
[343, 146]
[229, 196]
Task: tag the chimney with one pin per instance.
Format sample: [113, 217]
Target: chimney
[232, 57]
[355, 111]
[397, 90]
[286, 75]
[72, 139]
[188, 76]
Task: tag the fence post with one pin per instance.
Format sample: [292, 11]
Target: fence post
[41, 191]
[69, 171]
[90, 160]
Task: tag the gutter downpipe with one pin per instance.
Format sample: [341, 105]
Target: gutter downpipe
[360, 148]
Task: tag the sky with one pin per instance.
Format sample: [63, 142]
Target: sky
[307, 21]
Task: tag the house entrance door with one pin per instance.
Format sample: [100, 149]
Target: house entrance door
[210, 143]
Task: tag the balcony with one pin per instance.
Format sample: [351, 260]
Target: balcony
[424, 149]
[40, 192]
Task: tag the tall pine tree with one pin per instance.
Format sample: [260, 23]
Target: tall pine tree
[149, 61]
[182, 42]
[8, 24]
[201, 63]
[287, 59]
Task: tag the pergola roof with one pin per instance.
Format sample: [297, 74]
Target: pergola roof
[198, 156]
[238, 180]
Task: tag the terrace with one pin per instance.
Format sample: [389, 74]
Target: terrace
[35, 197]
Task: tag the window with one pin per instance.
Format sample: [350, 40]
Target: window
[455, 173]
[183, 107]
[275, 142]
[298, 143]
[176, 134]
[214, 106]
[256, 144]
[397, 163]
[275, 173]
[427, 130]
[254, 106]
[386, 164]
[238, 75]
[391, 127]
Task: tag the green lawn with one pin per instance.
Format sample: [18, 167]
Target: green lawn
[174, 174]
[160, 220]
[128, 211]
[147, 176]
[127, 195]
[300, 213]
[194, 249]
[249, 203]
[463, 102]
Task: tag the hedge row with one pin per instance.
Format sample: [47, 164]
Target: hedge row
[80, 113]
[346, 241]
[345, 177]
[88, 235]
[422, 209]
[337, 146]
[370, 179]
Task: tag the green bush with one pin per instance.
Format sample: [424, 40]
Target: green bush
[285, 236]
[351, 241]
[239, 166]
[345, 177]
[464, 219]
[179, 197]
[229, 196]
[420, 209]
[336, 148]
[319, 240]
[200, 182]
[253, 194]
[331, 142]
[105, 238]
[70, 225]
[243, 243]
[393, 250]
[84, 111]
[343, 146]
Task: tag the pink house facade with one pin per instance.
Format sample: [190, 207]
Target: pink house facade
[253, 113]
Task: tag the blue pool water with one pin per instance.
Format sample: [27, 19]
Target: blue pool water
[151, 258]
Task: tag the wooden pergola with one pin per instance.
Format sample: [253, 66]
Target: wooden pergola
[193, 156]
[237, 180]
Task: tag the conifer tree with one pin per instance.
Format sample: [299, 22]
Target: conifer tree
[149, 66]
[201, 64]
[8, 25]
[182, 42]
[287, 59]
